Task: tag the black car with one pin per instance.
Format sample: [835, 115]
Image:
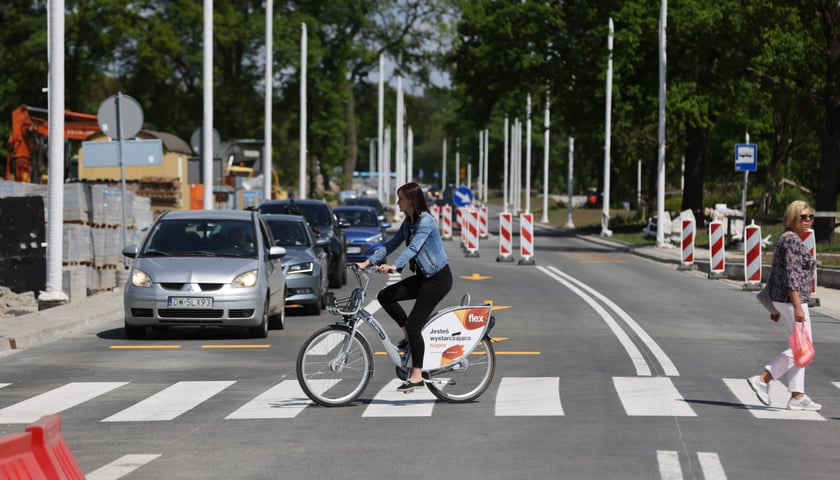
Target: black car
[325, 224]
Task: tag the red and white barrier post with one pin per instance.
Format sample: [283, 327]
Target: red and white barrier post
[526, 239]
[717, 253]
[752, 257]
[482, 221]
[471, 227]
[446, 222]
[811, 245]
[687, 245]
[505, 237]
[436, 213]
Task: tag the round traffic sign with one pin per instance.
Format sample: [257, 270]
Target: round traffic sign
[462, 196]
[120, 113]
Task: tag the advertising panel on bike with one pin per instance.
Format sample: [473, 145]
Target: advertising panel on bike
[454, 333]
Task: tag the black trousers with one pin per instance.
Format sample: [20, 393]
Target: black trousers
[426, 293]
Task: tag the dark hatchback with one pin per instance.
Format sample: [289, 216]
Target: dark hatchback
[325, 224]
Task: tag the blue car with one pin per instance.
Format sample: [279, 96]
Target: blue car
[365, 232]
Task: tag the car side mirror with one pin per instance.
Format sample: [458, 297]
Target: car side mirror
[343, 224]
[276, 252]
[322, 242]
[130, 251]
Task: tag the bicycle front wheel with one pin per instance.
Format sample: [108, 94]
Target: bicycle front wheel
[468, 378]
[334, 366]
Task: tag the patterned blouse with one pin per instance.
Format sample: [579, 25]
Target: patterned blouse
[793, 269]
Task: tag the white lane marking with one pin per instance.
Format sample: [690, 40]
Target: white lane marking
[663, 359]
[711, 466]
[633, 352]
[779, 396]
[120, 467]
[391, 403]
[529, 396]
[4, 385]
[284, 400]
[669, 465]
[170, 402]
[651, 397]
[55, 401]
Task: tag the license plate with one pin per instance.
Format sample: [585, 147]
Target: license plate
[189, 302]
[354, 250]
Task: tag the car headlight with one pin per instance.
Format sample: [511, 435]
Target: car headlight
[374, 239]
[305, 267]
[245, 280]
[140, 279]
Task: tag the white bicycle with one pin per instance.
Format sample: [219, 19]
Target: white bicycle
[335, 363]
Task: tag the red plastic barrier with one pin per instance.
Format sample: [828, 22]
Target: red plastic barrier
[17, 460]
[52, 451]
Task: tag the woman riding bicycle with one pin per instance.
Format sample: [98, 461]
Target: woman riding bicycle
[430, 283]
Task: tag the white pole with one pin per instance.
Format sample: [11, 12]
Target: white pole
[268, 167]
[443, 169]
[207, 152]
[744, 201]
[303, 122]
[399, 157]
[486, 161]
[660, 194]
[569, 223]
[505, 169]
[546, 124]
[55, 166]
[409, 156]
[371, 160]
[469, 175]
[528, 159]
[605, 215]
[480, 183]
[380, 181]
[387, 167]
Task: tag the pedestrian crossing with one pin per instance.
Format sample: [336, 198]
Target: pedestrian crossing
[512, 397]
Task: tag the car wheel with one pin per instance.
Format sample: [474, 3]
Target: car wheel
[278, 321]
[343, 270]
[335, 275]
[261, 330]
[135, 332]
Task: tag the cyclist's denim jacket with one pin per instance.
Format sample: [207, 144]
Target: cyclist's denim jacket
[425, 246]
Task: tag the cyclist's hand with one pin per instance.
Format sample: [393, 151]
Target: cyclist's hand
[384, 268]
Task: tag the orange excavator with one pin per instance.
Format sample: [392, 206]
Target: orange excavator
[27, 157]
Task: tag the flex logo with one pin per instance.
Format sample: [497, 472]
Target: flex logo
[474, 318]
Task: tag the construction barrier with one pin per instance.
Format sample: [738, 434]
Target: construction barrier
[687, 244]
[526, 238]
[752, 257]
[482, 221]
[435, 210]
[505, 237]
[470, 230]
[459, 217]
[717, 253]
[40, 453]
[446, 222]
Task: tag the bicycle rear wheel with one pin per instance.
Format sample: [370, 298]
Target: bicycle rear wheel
[329, 377]
[467, 379]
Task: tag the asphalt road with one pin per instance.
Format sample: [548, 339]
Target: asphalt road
[610, 366]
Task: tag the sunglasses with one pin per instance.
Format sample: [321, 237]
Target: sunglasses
[804, 217]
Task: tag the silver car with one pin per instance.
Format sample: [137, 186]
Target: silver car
[306, 261]
[207, 268]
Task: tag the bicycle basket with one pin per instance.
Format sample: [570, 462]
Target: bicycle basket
[347, 305]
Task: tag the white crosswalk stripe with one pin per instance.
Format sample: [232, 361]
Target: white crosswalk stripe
[779, 396]
[284, 400]
[651, 396]
[670, 469]
[55, 401]
[391, 403]
[170, 402]
[528, 396]
[513, 397]
[121, 467]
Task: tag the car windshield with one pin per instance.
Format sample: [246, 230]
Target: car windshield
[318, 215]
[358, 218]
[289, 234]
[366, 202]
[201, 238]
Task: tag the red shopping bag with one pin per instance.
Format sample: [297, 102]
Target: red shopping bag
[801, 345]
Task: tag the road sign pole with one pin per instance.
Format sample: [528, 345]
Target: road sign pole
[744, 198]
[122, 176]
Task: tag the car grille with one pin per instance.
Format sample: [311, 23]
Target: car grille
[205, 287]
[241, 313]
[190, 313]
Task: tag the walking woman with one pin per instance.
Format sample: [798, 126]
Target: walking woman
[430, 283]
[790, 279]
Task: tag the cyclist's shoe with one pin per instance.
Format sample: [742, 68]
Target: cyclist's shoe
[402, 345]
[409, 386]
